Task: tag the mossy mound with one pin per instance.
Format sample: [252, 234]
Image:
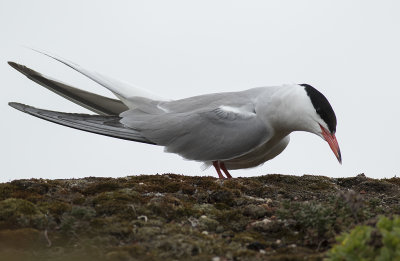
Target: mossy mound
[380, 241]
[174, 217]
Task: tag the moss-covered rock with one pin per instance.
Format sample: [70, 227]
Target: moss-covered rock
[174, 217]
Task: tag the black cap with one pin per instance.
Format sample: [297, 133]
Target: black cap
[322, 106]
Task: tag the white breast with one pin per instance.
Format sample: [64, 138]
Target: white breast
[263, 153]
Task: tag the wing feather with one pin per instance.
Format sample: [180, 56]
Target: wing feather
[202, 133]
[91, 101]
[104, 125]
[121, 89]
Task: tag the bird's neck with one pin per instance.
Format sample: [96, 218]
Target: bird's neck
[287, 109]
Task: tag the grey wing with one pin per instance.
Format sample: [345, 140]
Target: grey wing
[202, 135]
[104, 125]
[91, 101]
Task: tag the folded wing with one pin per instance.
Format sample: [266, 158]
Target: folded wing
[121, 89]
[104, 125]
[204, 134]
[91, 101]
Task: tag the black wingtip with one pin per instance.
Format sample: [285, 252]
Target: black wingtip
[23, 69]
[13, 64]
[18, 106]
[19, 67]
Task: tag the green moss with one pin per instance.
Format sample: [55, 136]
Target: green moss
[56, 208]
[103, 185]
[36, 186]
[168, 207]
[175, 217]
[16, 213]
[255, 211]
[207, 224]
[120, 202]
[394, 180]
[380, 242]
[6, 191]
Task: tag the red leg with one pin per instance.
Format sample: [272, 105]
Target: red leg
[217, 168]
[222, 165]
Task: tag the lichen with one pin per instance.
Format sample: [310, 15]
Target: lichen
[175, 217]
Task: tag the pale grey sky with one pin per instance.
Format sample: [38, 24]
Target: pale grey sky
[349, 50]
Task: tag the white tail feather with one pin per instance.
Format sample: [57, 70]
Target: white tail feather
[122, 90]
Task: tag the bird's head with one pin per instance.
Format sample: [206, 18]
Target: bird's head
[322, 118]
[303, 108]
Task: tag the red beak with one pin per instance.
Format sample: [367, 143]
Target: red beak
[331, 139]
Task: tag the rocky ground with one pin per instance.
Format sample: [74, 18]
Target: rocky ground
[174, 217]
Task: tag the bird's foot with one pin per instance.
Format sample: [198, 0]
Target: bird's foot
[218, 169]
[218, 166]
[227, 174]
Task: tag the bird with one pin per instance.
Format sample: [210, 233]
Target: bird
[227, 130]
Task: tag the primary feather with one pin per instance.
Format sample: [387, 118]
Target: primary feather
[91, 101]
[122, 90]
[104, 125]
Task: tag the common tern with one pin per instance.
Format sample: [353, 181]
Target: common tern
[229, 130]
